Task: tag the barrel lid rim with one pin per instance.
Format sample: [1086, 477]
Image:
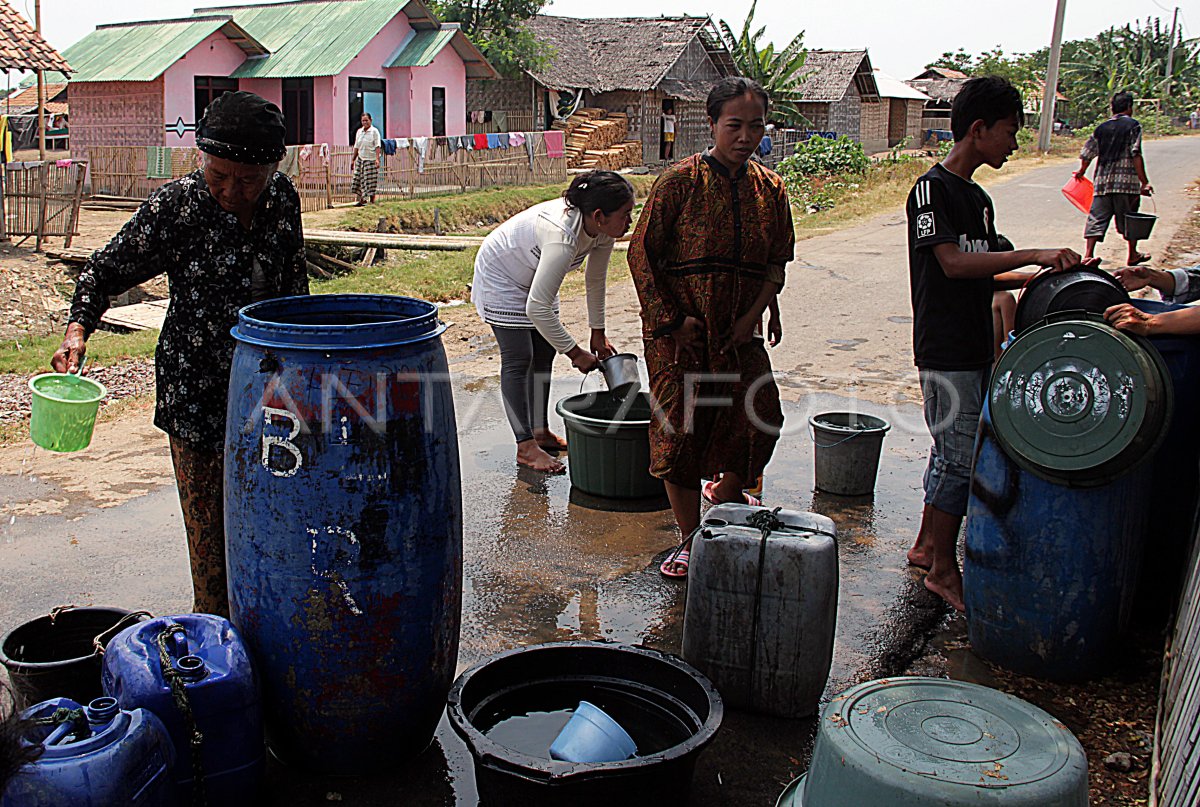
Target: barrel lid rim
[549, 771]
[242, 330]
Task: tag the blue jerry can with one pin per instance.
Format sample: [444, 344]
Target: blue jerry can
[343, 515]
[208, 655]
[100, 756]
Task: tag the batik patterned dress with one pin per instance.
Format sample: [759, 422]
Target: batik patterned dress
[704, 245]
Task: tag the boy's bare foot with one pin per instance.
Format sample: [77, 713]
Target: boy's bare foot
[949, 588]
[549, 441]
[530, 454]
[920, 557]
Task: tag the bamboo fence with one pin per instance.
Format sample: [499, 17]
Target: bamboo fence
[41, 200]
[322, 175]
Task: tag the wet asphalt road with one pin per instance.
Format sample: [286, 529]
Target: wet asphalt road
[539, 567]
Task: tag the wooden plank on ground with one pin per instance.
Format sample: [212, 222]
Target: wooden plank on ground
[139, 316]
[390, 240]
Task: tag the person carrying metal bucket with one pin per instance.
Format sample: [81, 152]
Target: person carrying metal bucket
[226, 235]
[707, 259]
[518, 272]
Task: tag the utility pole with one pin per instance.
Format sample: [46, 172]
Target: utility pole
[41, 84]
[1171, 56]
[1050, 93]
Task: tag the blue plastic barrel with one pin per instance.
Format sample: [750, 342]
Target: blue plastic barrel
[343, 516]
[1049, 570]
[1176, 482]
[208, 657]
[95, 757]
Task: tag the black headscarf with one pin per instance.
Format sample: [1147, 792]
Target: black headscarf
[242, 127]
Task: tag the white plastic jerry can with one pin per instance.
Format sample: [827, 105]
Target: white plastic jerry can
[761, 612]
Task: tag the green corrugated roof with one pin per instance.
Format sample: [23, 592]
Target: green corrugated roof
[309, 39]
[422, 48]
[140, 52]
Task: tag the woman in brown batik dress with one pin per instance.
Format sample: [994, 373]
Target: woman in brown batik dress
[707, 259]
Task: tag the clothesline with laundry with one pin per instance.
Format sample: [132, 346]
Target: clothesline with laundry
[159, 158]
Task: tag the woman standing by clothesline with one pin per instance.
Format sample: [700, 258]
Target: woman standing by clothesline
[368, 144]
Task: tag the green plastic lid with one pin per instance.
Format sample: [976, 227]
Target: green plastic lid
[929, 741]
[1078, 401]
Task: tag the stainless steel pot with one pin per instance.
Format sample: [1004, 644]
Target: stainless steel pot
[621, 373]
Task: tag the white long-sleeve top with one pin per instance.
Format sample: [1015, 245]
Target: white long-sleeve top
[521, 266]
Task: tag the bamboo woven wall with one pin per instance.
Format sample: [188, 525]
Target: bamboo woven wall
[115, 113]
[41, 199]
[1176, 767]
[322, 175]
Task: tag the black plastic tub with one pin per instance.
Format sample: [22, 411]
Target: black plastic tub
[55, 656]
[670, 709]
[1084, 288]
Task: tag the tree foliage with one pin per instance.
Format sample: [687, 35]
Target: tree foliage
[496, 27]
[779, 72]
[1132, 58]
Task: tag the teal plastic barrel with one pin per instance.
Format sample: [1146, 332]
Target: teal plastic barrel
[921, 742]
[608, 440]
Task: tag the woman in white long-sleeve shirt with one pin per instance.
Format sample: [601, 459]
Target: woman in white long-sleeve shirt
[518, 272]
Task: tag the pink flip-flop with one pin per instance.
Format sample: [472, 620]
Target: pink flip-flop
[707, 492]
[678, 558]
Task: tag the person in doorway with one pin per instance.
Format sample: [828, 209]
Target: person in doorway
[668, 131]
[955, 267]
[518, 272]
[226, 235]
[368, 146]
[707, 259]
[1120, 179]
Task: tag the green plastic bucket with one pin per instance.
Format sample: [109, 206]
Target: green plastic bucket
[608, 444]
[847, 449]
[64, 410]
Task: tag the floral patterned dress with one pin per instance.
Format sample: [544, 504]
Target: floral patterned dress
[209, 259]
[704, 245]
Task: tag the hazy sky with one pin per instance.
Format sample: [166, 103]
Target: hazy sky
[901, 36]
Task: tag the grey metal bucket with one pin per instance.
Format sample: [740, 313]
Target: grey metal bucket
[621, 373]
[847, 449]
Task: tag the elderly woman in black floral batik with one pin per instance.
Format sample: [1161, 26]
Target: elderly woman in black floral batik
[226, 235]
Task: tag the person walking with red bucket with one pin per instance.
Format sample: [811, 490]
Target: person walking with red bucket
[1120, 182]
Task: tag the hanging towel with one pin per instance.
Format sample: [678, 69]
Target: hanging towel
[63, 163]
[454, 144]
[501, 121]
[421, 144]
[493, 141]
[467, 142]
[324, 151]
[389, 146]
[158, 162]
[305, 152]
[554, 142]
[765, 145]
[516, 139]
[289, 166]
[531, 139]
[403, 143]
[481, 142]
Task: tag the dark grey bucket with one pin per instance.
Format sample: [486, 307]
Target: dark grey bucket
[1139, 225]
[847, 449]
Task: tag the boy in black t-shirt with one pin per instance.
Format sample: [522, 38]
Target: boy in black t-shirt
[954, 267]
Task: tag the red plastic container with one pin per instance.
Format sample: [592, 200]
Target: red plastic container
[1079, 193]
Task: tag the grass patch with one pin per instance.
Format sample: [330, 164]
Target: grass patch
[884, 188]
[476, 212]
[437, 275]
[31, 355]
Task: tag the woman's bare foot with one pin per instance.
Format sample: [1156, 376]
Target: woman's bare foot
[530, 454]
[549, 441]
[921, 557]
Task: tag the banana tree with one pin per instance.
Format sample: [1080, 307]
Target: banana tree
[781, 73]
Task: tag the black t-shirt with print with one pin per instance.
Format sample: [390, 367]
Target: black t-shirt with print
[952, 318]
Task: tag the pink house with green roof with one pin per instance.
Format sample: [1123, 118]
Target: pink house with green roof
[324, 62]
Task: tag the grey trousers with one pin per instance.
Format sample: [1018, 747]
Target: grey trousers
[526, 361]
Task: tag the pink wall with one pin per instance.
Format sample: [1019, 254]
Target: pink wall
[269, 88]
[446, 71]
[369, 64]
[399, 101]
[326, 99]
[215, 56]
